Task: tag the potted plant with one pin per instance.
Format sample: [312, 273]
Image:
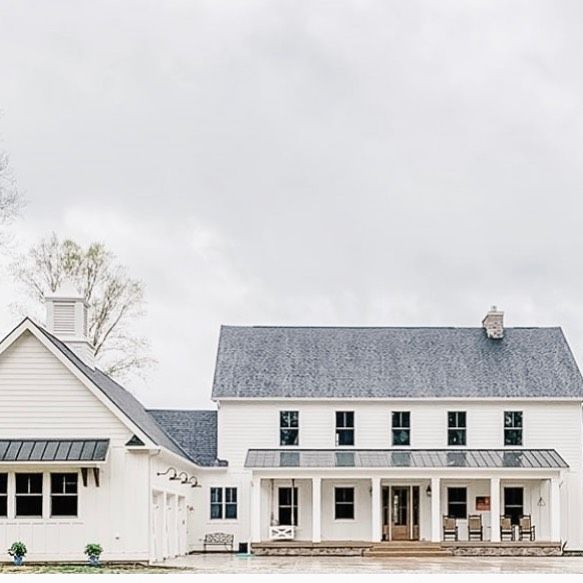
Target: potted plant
[17, 551]
[93, 552]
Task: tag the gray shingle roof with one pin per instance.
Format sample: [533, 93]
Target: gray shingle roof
[254, 362]
[195, 431]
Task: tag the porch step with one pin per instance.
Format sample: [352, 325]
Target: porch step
[407, 549]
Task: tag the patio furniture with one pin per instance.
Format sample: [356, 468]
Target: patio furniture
[218, 539]
[450, 528]
[506, 529]
[475, 528]
[525, 527]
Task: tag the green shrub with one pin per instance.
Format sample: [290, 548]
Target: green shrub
[93, 550]
[18, 549]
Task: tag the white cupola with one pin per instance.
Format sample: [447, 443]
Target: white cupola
[67, 320]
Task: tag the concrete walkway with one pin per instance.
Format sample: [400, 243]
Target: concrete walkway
[226, 563]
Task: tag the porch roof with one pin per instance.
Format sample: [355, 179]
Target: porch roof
[414, 458]
[53, 450]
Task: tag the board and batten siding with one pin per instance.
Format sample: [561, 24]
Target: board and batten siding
[40, 397]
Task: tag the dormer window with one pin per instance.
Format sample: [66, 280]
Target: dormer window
[344, 428]
[289, 428]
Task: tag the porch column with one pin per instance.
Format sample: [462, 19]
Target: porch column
[555, 510]
[376, 533]
[316, 510]
[256, 510]
[495, 510]
[435, 510]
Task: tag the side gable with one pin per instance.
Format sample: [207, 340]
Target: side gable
[117, 400]
[40, 397]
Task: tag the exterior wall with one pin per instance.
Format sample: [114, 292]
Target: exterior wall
[547, 424]
[40, 397]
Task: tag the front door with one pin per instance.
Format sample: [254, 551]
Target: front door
[404, 513]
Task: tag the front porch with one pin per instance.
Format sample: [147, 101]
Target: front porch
[350, 511]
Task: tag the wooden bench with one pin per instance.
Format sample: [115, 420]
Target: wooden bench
[218, 539]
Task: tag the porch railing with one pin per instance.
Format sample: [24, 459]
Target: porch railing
[282, 532]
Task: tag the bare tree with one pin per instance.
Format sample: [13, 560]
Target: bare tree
[115, 300]
[10, 199]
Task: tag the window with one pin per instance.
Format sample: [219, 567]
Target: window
[3, 494]
[514, 503]
[289, 427]
[223, 503]
[231, 503]
[29, 494]
[401, 428]
[457, 502]
[456, 428]
[343, 503]
[512, 427]
[344, 427]
[64, 494]
[287, 506]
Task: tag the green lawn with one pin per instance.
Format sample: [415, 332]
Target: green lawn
[119, 569]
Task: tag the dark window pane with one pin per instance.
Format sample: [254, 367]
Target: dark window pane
[231, 511]
[3, 506]
[29, 505]
[345, 437]
[513, 437]
[64, 483]
[344, 503]
[286, 504]
[457, 506]
[514, 503]
[456, 437]
[231, 495]
[216, 495]
[289, 436]
[216, 511]
[64, 505]
[29, 483]
[401, 437]
[3, 483]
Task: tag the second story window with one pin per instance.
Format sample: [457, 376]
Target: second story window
[401, 424]
[289, 427]
[512, 427]
[456, 428]
[344, 427]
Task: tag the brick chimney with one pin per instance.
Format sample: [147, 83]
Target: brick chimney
[493, 323]
[67, 320]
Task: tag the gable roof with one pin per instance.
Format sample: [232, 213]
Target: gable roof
[195, 431]
[304, 362]
[122, 398]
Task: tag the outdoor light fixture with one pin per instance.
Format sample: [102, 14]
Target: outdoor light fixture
[428, 490]
[194, 481]
[183, 476]
[540, 502]
[172, 471]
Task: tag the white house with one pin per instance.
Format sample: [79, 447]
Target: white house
[377, 434]
[81, 460]
[323, 438]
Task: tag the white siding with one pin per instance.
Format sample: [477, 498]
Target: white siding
[40, 397]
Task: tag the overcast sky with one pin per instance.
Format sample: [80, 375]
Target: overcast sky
[304, 162]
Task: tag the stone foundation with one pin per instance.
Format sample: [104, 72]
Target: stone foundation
[510, 550]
